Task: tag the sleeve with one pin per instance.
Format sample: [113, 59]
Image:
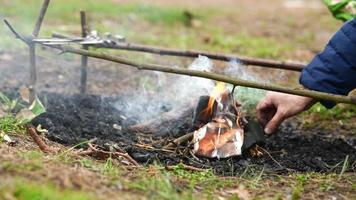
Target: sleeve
[334, 69]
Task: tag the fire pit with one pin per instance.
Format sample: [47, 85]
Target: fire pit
[72, 119]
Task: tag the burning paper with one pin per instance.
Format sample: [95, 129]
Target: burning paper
[220, 131]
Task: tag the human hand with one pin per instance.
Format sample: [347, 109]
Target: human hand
[275, 107]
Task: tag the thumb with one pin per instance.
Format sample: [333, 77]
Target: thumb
[274, 123]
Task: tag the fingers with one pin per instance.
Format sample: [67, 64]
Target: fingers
[265, 111]
[274, 123]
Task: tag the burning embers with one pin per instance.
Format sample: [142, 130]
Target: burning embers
[220, 126]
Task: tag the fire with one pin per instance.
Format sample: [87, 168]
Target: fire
[221, 133]
[217, 91]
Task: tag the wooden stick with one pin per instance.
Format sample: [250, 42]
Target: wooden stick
[32, 51]
[38, 140]
[212, 76]
[179, 141]
[195, 53]
[83, 78]
[115, 154]
[186, 167]
[293, 66]
[40, 18]
[33, 72]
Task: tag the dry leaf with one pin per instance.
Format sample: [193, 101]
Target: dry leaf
[25, 114]
[41, 130]
[25, 94]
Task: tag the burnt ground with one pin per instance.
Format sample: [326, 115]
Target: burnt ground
[71, 119]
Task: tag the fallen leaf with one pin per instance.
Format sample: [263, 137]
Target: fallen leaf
[25, 115]
[7, 138]
[25, 94]
[37, 107]
[40, 129]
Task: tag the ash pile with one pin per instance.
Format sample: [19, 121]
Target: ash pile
[221, 142]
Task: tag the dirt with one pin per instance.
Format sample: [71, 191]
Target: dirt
[72, 119]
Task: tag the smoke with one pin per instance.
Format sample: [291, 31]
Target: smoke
[248, 97]
[164, 92]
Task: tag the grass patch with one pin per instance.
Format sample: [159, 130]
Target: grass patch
[10, 125]
[159, 186]
[341, 114]
[245, 44]
[23, 190]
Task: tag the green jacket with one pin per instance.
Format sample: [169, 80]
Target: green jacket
[342, 9]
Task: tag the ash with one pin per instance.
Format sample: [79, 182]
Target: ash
[72, 119]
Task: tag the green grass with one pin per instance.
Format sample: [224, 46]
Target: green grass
[342, 114]
[10, 125]
[168, 26]
[245, 44]
[26, 190]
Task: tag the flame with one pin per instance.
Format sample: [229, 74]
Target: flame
[219, 88]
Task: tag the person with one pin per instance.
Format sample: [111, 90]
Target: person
[333, 71]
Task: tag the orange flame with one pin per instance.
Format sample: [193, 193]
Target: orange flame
[219, 88]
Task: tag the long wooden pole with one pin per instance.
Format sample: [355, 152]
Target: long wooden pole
[195, 53]
[293, 66]
[211, 75]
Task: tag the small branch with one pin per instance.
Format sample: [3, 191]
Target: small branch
[32, 51]
[186, 167]
[274, 160]
[103, 153]
[179, 141]
[40, 18]
[17, 35]
[33, 71]
[38, 140]
[212, 76]
[83, 78]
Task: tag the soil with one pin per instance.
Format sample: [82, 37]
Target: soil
[71, 119]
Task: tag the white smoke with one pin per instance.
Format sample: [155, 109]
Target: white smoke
[248, 97]
[166, 92]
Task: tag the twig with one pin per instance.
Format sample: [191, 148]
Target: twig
[83, 78]
[274, 160]
[40, 18]
[33, 71]
[186, 167]
[17, 35]
[179, 141]
[38, 140]
[212, 76]
[32, 51]
[103, 153]
[146, 147]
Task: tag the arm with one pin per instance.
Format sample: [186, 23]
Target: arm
[333, 71]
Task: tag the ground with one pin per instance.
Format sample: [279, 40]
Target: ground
[283, 30]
